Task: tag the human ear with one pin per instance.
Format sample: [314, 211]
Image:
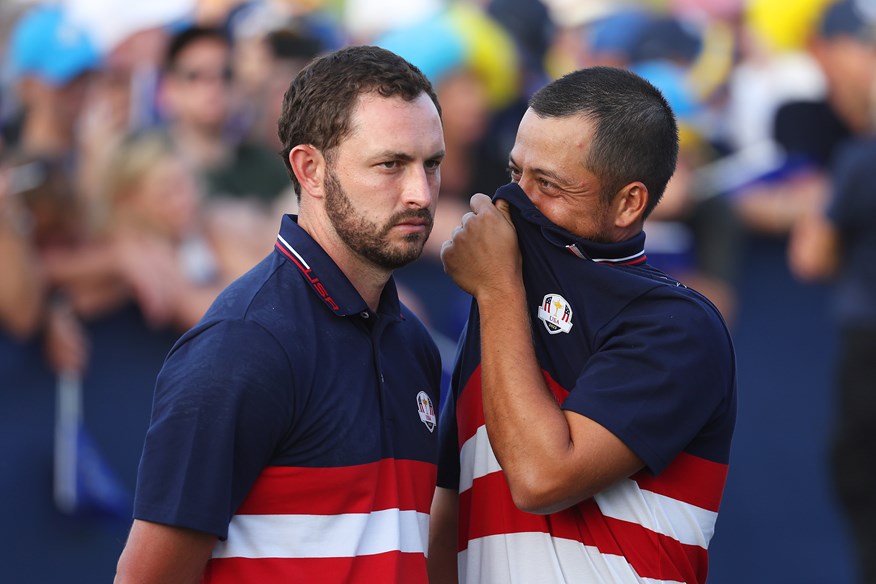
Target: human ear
[630, 204]
[308, 164]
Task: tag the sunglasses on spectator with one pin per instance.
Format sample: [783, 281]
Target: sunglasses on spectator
[198, 75]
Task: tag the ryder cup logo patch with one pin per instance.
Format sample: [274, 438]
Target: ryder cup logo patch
[427, 412]
[556, 314]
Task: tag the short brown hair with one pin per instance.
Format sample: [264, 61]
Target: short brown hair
[319, 102]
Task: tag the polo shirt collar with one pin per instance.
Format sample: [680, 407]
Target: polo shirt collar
[326, 279]
[630, 251]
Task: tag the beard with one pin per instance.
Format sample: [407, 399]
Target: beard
[370, 240]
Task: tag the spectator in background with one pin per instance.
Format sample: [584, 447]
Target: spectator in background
[694, 234]
[50, 59]
[123, 97]
[43, 216]
[157, 242]
[271, 59]
[196, 96]
[810, 131]
[21, 286]
[839, 243]
[167, 237]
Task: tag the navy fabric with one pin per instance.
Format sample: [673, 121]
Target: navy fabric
[288, 368]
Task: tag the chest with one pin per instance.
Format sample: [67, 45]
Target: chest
[362, 394]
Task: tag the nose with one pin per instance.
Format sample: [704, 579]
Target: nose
[420, 188]
[525, 184]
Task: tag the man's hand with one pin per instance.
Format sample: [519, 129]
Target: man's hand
[482, 254]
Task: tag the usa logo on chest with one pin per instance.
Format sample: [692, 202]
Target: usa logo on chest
[556, 314]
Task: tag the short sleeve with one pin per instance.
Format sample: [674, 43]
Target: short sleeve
[662, 370]
[223, 400]
[448, 430]
[448, 449]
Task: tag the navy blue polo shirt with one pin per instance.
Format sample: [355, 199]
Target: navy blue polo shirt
[292, 400]
[649, 359]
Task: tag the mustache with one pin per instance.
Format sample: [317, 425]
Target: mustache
[424, 214]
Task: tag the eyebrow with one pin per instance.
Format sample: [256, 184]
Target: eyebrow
[405, 157]
[541, 171]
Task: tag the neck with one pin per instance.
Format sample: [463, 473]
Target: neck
[367, 278]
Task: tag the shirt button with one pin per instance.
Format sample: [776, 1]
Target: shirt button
[364, 314]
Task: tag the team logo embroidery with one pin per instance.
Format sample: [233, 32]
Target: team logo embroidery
[427, 412]
[556, 314]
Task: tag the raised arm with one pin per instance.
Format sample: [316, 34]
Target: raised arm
[552, 458]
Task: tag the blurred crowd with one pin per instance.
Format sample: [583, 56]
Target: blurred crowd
[138, 146]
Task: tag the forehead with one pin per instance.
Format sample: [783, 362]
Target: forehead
[207, 48]
[560, 144]
[393, 124]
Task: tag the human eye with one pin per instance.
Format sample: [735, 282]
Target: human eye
[514, 173]
[389, 164]
[433, 165]
[545, 184]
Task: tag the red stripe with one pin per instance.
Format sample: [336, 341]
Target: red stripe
[651, 555]
[470, 409]
[388, 567]
[387, 484]
[317, 286]
[286, 253]
[690, 479]
[635, 262]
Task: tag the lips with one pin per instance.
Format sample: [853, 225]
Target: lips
[418, 220]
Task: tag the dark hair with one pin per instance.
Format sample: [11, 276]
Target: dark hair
[184, 38]
[320, 100]
[635, 134]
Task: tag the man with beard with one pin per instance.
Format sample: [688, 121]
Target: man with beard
[293, 431]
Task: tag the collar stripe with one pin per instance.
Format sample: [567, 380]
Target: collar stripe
[318, 286]
[628, 259]
[292, 249]
[631, 259]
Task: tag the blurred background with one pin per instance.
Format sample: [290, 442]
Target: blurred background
[139, 175]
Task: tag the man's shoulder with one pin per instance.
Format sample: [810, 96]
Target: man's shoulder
[264, 294]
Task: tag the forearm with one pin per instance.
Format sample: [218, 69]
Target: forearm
[528, 430]
[443, 526]
[21, 285]
[82, 265]
[158, 553]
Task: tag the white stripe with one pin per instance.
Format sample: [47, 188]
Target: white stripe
[521, 558]
[325, 536]
[681, 521]
[292, 249]
[617, 260]
[574, 249]
[476, 459]
[626, 501]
